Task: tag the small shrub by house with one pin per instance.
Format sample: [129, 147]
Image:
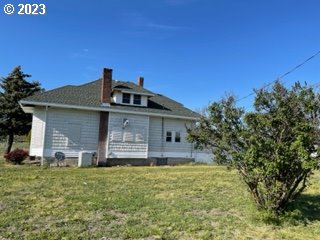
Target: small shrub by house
[16, 156]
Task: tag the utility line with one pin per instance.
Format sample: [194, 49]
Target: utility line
[282, 76]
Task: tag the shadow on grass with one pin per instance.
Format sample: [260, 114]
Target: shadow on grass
[305, 210]
[309, 207]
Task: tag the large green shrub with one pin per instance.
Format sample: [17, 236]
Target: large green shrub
[274, 147]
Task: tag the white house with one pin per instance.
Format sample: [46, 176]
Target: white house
[122, 122]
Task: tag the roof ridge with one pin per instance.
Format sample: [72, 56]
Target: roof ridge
[170, 99]
[87, 95]
[99, 79]
[85, 84]
[58, 88]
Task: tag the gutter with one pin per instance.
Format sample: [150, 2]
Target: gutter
[103, 109]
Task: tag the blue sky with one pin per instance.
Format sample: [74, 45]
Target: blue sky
[194, 51]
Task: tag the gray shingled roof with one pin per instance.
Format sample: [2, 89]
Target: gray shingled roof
[88, 95]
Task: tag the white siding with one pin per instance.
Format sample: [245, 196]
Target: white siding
[203, 156]
[117, 97]
[158, 147]
[155, 135]
[71, 131]
[175, 125]
[144, 101]
[37, 130]
[130, 141]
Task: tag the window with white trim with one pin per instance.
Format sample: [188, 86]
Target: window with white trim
[172, 136]
[177, 137]
[137, 99]
[126, 97]
[169, 136]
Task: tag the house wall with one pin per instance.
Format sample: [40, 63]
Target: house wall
[37, 130]
[155, 136]
[144, 101]
[160, 148]
[117, 97]
[130, 141]
[71, 131]
[203, 156]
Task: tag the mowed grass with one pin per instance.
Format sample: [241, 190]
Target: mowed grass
[186, 202]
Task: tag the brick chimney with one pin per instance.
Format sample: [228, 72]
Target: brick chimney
[106, 85]
[140, 81]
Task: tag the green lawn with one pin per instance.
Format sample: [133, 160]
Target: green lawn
[187, 202]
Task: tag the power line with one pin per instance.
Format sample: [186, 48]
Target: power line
[282, 76]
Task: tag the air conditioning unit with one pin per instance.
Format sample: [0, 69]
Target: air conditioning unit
[85, 159]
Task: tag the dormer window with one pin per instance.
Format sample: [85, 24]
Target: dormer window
[130, 98]
[137, 99]
[126, 98]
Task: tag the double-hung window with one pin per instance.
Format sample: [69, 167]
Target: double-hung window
[126, 98]
[169, 136]
[177, 137]
[173, 136]
[137, 99]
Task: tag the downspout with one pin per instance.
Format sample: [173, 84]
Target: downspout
[148, 132]
[191, 149]
[162, 136]
[44, 134]
[108, 136]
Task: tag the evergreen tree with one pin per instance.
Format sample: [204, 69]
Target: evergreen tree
[13, 121]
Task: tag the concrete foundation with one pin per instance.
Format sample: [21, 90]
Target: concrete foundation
[52, 162]
[148, 162]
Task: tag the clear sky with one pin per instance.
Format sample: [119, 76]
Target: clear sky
[194, 51]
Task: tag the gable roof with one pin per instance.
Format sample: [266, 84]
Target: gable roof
[87, 96]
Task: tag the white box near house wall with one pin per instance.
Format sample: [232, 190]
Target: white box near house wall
[85, 159]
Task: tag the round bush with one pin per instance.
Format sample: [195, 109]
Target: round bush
[16, 156]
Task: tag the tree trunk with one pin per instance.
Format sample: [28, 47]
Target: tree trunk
[9, 143]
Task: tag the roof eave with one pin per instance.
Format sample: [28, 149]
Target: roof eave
[26, 109]
[100, 109]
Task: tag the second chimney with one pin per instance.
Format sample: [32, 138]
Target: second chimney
[106, 85]
[140, 81]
